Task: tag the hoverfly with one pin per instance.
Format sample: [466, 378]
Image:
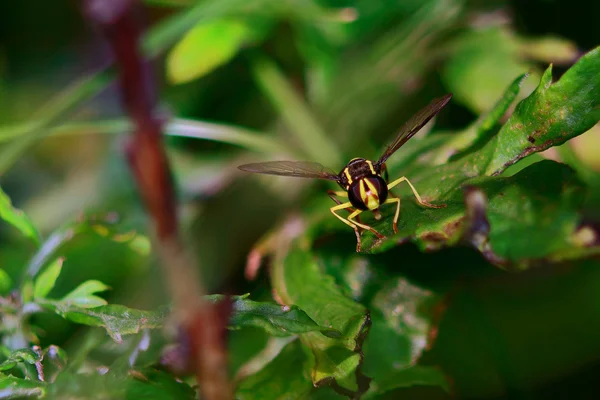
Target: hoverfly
[362, 180]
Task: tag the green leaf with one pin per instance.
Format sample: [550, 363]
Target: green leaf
[205, 47]
[533, 213]
[83, 295]
[17, 388]
[158, 385]
[4, 351]
[521, 218]
[273, 318]
[118, 320]
[298, 280]
[17, 218]
[79, 306]
[145, 383]
[418, 375]
[103, 225]
[286, 376]
[5, 282]
[70, 385]
[406, 310]
[479, 131]
[27, 291]
[20, 356]
[552, 114]
[47, 279]
[402, 319]
[89, 301]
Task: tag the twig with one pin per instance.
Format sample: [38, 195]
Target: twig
[203, 323]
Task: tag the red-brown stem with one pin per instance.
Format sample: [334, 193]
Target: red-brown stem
[203, 323]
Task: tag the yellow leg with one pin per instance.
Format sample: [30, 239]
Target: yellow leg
[419, 199]
[338, 193]
[342, 206]
[333, 195]
[352, 223]
[367, 227]
[397, 215]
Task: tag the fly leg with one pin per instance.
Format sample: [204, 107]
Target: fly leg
[333, 195]
[366, 227]
[397, 201]
[352, 224]
[419, 199]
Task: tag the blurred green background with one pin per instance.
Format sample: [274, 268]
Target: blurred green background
[351, 71]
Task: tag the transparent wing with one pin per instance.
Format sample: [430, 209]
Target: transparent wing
[301, 169]
[414, 124]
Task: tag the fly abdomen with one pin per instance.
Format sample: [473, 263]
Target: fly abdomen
[368, 192]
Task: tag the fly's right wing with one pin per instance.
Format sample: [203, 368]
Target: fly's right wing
[299, 169]
[413, 125]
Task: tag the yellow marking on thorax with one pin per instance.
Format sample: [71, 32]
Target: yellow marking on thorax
[371, 167]
[348, 176]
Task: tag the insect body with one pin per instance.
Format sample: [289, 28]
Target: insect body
[362, 180]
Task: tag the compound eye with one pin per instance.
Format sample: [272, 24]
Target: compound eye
[355, 198]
